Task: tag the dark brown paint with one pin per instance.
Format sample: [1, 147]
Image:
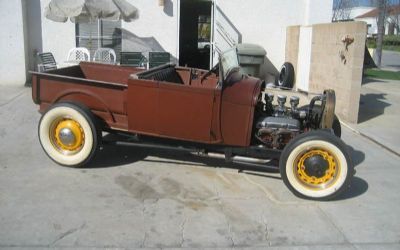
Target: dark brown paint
[197, 110]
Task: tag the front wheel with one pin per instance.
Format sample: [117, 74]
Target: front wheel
[315, 165]
[68, 134]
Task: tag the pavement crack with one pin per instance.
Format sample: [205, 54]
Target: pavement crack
[183, 230]
[230, 231]
[67, 233]
[266, 233]
[333, 224]
[144, 223]
[219, 200]
[12, 99]
[269, 193]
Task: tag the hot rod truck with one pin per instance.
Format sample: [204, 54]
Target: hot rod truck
[218, 111]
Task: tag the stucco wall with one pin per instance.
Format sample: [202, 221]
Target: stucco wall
[264, 22]
[33, 32]
[12, 45]
[157, 25]
[58, 38]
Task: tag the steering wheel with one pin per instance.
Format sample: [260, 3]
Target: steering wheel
[214, 69]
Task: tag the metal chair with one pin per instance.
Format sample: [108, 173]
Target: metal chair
[158, 58]
[105, 55]
[78, 54]
[135, 59]
[47, 61]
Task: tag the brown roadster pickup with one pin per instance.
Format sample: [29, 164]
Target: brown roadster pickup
[221, 111]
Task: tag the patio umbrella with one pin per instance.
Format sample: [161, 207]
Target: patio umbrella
[90, 10]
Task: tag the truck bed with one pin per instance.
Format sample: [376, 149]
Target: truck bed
[101, 87]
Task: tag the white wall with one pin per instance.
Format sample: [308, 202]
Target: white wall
[358, 11]
[33, 32]
[317, 11]
[156, 23]
[57, 38]
[12, 45]
[264, 22]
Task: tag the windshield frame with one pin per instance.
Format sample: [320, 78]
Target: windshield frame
[228, 61]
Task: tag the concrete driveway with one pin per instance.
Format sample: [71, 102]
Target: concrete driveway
[136, 198]
[379, 113]
[391, 60]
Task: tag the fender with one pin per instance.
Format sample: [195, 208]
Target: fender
[90, 102]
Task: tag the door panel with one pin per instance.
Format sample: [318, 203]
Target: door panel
[142, 106]
[185, 112]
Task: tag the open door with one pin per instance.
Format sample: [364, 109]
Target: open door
[224, 34]
[195, 33]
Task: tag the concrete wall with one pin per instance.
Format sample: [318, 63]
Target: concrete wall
[333, 66]
[292, 45]
[12, 44]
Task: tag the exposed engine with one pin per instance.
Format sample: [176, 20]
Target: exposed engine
[279, 124]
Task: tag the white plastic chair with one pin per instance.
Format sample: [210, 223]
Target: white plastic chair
[105, 55]
[78, 54]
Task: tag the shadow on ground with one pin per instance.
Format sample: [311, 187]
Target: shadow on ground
[358, 187]
[357, 156]
[371, 106]
[367, 80]
[117, 155]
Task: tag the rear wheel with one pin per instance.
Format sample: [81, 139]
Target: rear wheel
[68, 134]
[315, 165]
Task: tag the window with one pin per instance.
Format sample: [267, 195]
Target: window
[99, 34]
[203, 32]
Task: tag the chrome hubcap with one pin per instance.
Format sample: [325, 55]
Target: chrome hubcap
[67, 137]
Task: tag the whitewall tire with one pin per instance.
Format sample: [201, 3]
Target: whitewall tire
[316, 165]
[68, 134]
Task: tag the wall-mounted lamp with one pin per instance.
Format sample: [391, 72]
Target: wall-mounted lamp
[161, 2]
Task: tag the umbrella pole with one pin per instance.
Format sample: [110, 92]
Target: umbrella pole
[98, 34]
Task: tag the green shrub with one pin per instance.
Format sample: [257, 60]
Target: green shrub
[389, 42]
[392, 40]
[371, 43]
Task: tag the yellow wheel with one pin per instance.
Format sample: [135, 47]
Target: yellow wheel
[316, 165]
[68, 134]
[317, 168]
